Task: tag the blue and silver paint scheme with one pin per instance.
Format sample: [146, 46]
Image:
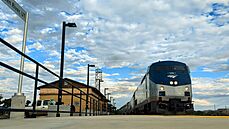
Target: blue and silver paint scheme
[171, 83]
[166, 87]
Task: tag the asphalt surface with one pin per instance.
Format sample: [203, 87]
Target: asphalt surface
[119, 122]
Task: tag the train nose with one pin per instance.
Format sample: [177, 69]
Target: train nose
[176, 105]
[163, 105]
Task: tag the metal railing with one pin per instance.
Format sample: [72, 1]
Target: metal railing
[94, 100]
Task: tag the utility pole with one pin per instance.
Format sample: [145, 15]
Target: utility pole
[88, 66]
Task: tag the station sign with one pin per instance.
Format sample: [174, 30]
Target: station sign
[12, 4]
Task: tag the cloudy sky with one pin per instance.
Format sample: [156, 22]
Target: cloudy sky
[122, 38]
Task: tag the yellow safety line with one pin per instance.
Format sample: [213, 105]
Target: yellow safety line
[190, 116]
[225, 117]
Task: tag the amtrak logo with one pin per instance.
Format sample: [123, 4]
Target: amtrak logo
[172, 75]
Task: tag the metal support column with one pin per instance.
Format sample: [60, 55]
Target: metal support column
[88, 65]
[20, 80]
[99, 84]
[93, 107]
[90, 106]
[61, 71]
[98, 107]
[80, 103]
[35, 92]
[71, 114]
[87, 90]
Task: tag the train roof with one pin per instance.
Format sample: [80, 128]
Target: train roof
[167, 63]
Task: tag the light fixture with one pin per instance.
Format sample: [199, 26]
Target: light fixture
[162, 88]
[175, 82]
[171, 82]
[71, 24]
[186, 88]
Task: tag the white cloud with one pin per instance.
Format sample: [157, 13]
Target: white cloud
[224, 80]
[202, 102]
[78, 57]
[115, 74]
[14, 39]
[208, 92]
[118, 96]
[210, 85]
[208, 70]
[15, 32]
[36, 46]
[117, 34]
[54, 53]
[49, 64]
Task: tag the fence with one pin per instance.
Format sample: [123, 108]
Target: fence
[94, 100]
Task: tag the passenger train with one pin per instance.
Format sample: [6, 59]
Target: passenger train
[165, 89]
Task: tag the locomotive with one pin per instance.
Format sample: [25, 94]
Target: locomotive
[165, 89]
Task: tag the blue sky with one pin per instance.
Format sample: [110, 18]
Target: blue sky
[123, 38]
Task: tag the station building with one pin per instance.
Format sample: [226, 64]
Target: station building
[97, 102]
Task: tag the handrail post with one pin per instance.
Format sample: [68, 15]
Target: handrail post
[93, 107]
[35, 91]
[71, 114]
[98, 107]
[90, 106]
[80, 103]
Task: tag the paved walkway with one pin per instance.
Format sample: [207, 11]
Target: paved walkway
[119, 122]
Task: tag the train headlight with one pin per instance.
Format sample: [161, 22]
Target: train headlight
[186, 88]
[162, 88]
[171, 82]
[175, 82]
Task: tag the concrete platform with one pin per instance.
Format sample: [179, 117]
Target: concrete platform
[118, 122]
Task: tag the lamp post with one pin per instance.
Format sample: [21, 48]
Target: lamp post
[108, 95]
[105, 91]
[106, 98]
[111, 104]
[88, 66]
[108, 105]
[62, 66]
[113, 101]
[114, 106]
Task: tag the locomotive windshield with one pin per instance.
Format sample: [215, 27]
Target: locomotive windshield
[167, 71]
[170, 68]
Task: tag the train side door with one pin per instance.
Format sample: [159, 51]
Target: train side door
[146, 87]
